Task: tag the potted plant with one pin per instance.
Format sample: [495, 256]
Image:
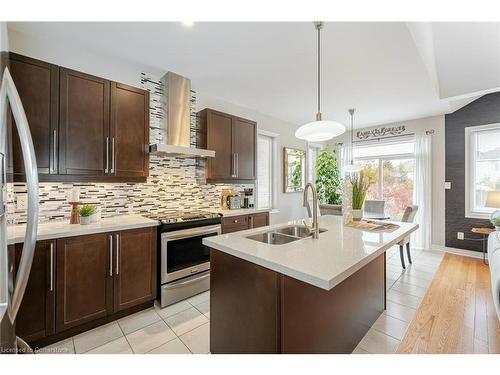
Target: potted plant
[86, 212]
[359, 188]
[495, 220]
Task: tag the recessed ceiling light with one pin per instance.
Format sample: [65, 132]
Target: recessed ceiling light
[187, 23]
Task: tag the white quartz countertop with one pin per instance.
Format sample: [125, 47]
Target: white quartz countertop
[241, 211]
[325, 262]
[60, 229]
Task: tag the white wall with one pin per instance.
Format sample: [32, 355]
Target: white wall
[4, 38]
[435, 123]
[75, 58]
[289, 205]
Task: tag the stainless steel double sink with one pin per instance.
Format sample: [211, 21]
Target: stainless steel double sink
[280, 236]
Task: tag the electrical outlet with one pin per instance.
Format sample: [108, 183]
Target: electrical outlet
[447, 185]
[22, 201]
[460, 235]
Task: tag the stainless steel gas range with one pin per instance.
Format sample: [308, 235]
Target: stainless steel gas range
[183, 260]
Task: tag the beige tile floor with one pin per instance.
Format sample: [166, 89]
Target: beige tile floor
[184, 327]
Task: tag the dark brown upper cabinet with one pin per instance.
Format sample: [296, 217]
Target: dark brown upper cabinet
[36, 317]
[84, 144]
[234, 141]
[38, 85]
[84, 128]
[129, 131]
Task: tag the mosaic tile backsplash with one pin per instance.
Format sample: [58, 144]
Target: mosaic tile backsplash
[174, 184]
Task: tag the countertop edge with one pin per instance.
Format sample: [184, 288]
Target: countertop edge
[83, 230]
[315, 281]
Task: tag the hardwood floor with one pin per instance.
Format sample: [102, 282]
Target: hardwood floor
[457, 313]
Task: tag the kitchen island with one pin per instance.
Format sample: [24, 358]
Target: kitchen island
[304, 296]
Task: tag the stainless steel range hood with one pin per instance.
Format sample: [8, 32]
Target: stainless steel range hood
[176, 120]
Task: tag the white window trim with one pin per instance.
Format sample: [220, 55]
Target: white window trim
[320, 147]
[381, 158]
[470, 158]
[274, 169]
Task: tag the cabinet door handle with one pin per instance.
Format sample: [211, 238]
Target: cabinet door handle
[113, 155]
[237, 165]
[233, 172]
[117, 253]
[54, 152]
[110, 255]
[51, 266]
[107, 155]
[251, 221]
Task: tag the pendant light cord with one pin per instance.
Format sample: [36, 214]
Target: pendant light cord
[319, 67]
[351, 112]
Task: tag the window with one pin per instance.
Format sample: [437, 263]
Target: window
[482, 168]
[390, 165]
[266, 167]
[313, 151]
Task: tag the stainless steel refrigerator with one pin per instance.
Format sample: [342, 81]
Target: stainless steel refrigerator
[13, 281]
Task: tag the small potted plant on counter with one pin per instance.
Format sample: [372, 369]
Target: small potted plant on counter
[86, 212]
[359, 188]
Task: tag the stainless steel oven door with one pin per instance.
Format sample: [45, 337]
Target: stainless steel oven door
[183, 253]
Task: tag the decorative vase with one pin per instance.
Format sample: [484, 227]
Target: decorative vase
[85, 220]
[347, 201]
[357, 214]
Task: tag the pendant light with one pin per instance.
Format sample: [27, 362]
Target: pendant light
[319, 130]
[351, 167]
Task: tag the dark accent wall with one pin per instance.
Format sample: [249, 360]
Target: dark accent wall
[485, 110]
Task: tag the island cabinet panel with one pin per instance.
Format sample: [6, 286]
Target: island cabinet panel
[84, 280]
[36, 317]
[256, 310]
[37, 83]
[314, 320]
[129, 131]
[134, 267]
[84, 124]
[244, 306]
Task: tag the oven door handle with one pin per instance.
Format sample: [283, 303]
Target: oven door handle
[186, 233]
[187, 282]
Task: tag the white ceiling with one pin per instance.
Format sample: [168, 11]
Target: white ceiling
[388, 71]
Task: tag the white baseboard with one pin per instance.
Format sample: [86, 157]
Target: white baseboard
[454, 250]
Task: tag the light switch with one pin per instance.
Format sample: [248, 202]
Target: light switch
[447, 185]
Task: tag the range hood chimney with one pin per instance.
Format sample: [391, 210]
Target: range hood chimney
[176, 120]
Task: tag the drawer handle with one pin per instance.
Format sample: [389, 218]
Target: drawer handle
[235, 221]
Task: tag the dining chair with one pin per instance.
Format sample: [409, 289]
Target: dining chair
[408, 217]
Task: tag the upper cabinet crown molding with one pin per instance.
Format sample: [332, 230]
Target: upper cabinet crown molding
[84, 128]
[234, 140]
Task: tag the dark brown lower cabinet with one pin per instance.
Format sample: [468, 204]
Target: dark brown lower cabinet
[77, 283]
[36, 317]
[135, 267]
[256, 310]
[242, 222]
[84, 280]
